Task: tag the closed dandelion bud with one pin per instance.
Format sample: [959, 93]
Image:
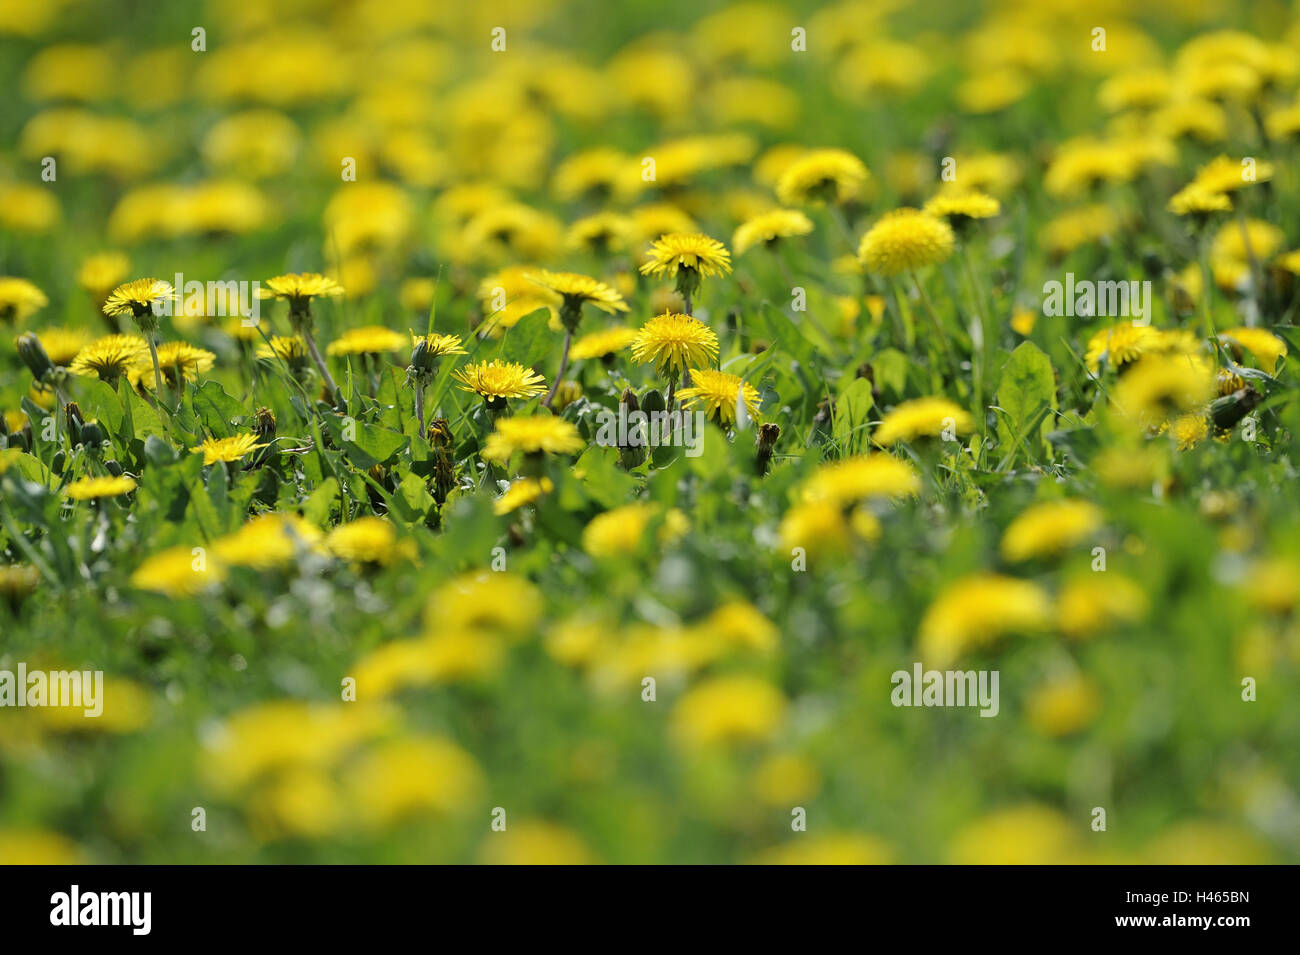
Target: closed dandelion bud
[113, 468]
[444, 462]
[90, 434]
[566, 394]
[264, 424]
[60, 460]
[1227, 411]
[32, 352]
[631, 456]
[767, 438]
[72, 413]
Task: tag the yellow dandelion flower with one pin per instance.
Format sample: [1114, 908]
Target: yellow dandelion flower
[1079, 227]
[975, 611]
[522, 493]
[906, 239]
[1230, 241]
[577, 290]
[862, 478]
[1223, 174]
[823, 175]
[1263, 344]
[959, 206]
[91, 488]
[110, 357]
[178, 572]
[817, 526]
[102, 272]
[1083, 164]
[728, 709]
[602, 233]
[1094, 602]
[767, 228]
[498, 380]
[600, 344]
[689, 251]
[368, 540]
[600, 174]
[923, 417]
[260, 740]
[437, 345]
[1142, 88]
[137, 299]
[267, 541]
[496, 602]
[230, 449]
[720, 393]
[538, 434]
[289, 348]
[299, 288]
[672, 342]
[1273, 584]
[660, 218]
[1197, 200]
[1023, 320]
[180, 360]
[1019, 835]
[1120, 345]
[63, 344]
[1050, 528]
[1160, 387]
[1063, 705]
[368, 340]
[623, 529]
[1189, 430]
[19, 299]
[406, 777]
[1191, 117]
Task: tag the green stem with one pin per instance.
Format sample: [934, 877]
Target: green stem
[564, 366]
[1207, 289]
[938, 326]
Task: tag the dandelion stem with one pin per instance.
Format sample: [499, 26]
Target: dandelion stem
[319, 361]
[564, 366]
[938, 326]
[1207, 288]
[419, 404]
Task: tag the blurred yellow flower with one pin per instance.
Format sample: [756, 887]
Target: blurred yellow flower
[728, 709]
[1050, 528]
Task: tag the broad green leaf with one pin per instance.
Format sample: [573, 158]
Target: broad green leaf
[1026, 387]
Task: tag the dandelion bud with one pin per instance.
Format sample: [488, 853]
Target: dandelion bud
[1227, 411]
[33, 355]
[264, 424]
[444, 467]
[90, 434]
[631, 456]
[767, 438]
[566, 394]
